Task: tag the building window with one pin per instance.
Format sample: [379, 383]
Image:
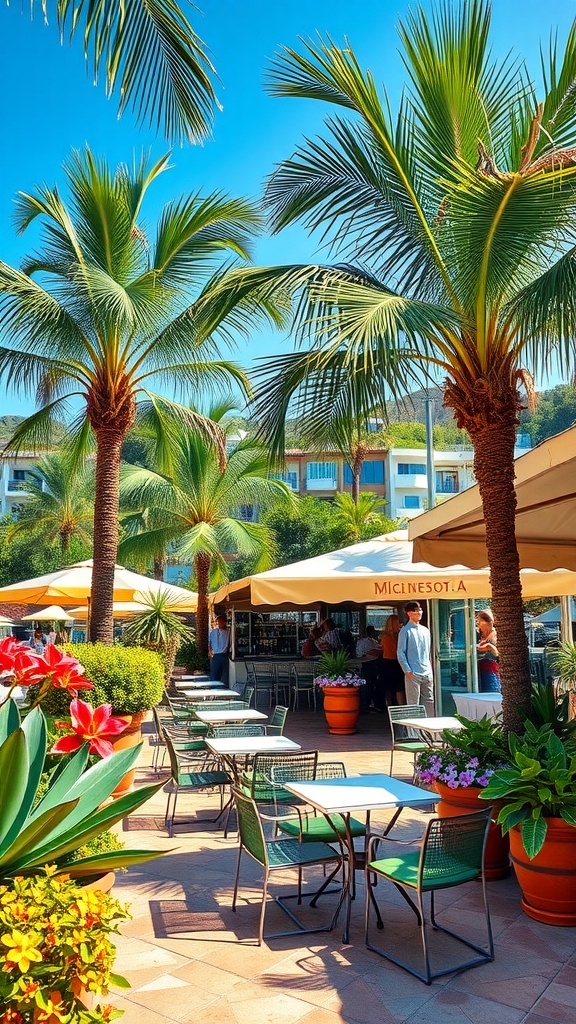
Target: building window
[19, 474]
[290, 478]
[372, 473]
[411, 469]
[247, 513]
[411, 501]
[447, 481]
[321, 471]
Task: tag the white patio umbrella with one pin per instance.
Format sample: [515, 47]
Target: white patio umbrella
[54, 613]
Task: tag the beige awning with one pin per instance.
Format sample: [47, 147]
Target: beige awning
[377, 571]
[545, 517]
[54, 613]
[73, 584]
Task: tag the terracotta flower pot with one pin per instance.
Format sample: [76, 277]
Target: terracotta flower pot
[131, 737]
[548, 882]
[466, 800]
[341, 707]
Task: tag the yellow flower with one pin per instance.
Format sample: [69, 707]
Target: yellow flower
[21, 950]
[53, 1011]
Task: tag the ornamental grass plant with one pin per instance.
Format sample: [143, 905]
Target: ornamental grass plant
[334, 670]
[56, 951]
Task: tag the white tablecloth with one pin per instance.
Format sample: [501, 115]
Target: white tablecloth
[476, 705]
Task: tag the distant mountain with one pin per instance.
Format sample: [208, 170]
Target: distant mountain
[8, 425]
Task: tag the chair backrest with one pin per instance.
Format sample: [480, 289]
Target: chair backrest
[290, 767]
[453, 849]
[226, 731]
[278, 719]
[250, 827]
[330, 770]
[248, 695]
[303, 677]
[396, 711]
[174, 765]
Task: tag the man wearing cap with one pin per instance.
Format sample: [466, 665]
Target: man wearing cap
[414, 657]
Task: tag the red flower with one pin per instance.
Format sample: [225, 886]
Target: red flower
[88, 724]
[20, 662]
[63, 672]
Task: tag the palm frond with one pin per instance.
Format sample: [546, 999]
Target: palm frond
[151, 57]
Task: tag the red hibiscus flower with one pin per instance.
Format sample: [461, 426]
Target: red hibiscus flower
[63, 672]
[95, 725]
[20, 662]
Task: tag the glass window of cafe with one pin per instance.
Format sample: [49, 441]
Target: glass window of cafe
[271, 634]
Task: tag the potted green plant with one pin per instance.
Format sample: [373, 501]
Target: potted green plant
[537, 793]
[131, 680]
[340, 688]
[460, 770]
[56, 950]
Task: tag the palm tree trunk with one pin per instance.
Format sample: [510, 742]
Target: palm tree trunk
[109, 442]
[359, 452]
[494, 469]
[65, 535]
[202, 567]
[159, 564]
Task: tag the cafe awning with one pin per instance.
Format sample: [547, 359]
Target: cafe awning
[545, 516]
[376, 571]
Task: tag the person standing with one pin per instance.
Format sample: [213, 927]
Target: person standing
[219, 640]
[488, 667]
[394, 684]
[414, 646]
[369, 652]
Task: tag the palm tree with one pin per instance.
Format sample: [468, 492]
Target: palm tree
[362, 519]
[456, 222]
[102, 310]
[195, 510]
[149, 55]
[60, 506]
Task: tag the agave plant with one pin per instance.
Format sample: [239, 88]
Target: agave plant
[73, 810]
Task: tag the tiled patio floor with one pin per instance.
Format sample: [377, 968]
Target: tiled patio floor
[190, 959]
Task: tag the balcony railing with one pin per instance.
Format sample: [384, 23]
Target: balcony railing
[17, 486]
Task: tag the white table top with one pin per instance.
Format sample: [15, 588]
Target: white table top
[359, 793]
[192, 682]
[206, 694]
[242, 745]
[219, 717]
[431, 725]
[476, 705]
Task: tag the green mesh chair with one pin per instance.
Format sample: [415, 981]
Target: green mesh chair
[405, 743]
[248, 695]
[258, 783]
[192, 772]
[227, 731]
[451, 853]
[184, 741]
[280, 855]
[312, 827]
[276, 724]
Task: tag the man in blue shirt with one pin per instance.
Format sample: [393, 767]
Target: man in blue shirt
[414, 657]
[219, 639]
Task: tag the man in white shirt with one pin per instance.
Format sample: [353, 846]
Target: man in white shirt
[414, 657]
[219, 640]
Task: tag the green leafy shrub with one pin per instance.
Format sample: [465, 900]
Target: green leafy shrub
[106, 842]
[56, 946]
[189, 657]
[131, 679]
[540, 784]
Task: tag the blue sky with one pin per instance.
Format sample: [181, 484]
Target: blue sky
[50, 106]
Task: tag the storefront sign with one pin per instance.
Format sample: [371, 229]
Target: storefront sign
[409, 588]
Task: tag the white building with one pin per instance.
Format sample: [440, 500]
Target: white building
[407, 479]
[15, 472]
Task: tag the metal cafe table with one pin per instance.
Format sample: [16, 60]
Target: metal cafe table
[430, 728]
[352, 795]
[238, 748]
[232, 717]
[212, 692]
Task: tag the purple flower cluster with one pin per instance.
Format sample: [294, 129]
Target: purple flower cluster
[348, 680]
[452, 767]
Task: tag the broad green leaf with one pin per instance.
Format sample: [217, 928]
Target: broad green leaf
[71, 835]
[9, 719]
[33, 834]
[59, 788]
[34, 729]
[568, 815]
[513, 818]
[14, 766]
[118, 981]
[109, 862]
[544, 794]
[533, 835]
